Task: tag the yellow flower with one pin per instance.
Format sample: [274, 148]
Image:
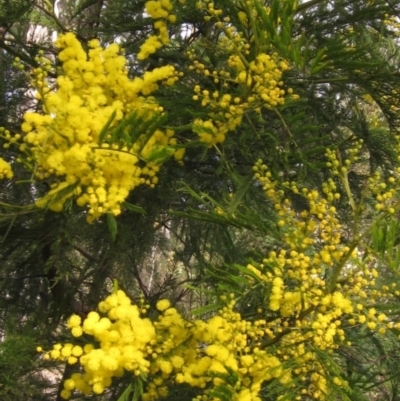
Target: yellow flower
[5, 169]
[74, 321]
[65, 394]
[163, 304]
[69, 384]
[77, 331]
[98, 388]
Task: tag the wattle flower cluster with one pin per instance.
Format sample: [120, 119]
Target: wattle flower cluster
[226, 352]
[120, 346]
[5, 169]
[94, 135]
[383, 189]
[243, 81]
[159, 10]
[170, 349]
[315, 291]
[318, 287]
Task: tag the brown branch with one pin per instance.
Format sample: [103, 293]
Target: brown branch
[28, 60]
[85, 253]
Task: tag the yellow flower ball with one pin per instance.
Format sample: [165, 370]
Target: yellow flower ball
[163, 304]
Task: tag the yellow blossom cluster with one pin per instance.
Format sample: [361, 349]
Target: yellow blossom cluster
[95, 135]
[318, 215]
[5, 169]
[392, 23]
[246, 81]
[159, 10]
[225, 351]
[198, 353]
[120, 346]
[315, 290]
[383, 189]
[318, 286]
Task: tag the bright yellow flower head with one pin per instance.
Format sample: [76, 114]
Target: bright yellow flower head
[5, 169]
[72, 140]
[163, 305]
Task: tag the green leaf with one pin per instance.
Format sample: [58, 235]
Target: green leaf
[246, 271]
[222, 392]
[138, 390]
[240, 193]
[150, 127]
[152, 124]
[160, 155]
[320, 67]
[206, 309]
[297, 52]
[112, 225]
[124, 396]
[274, 13]
[104, 130]
[268, 25]
[133, 208]
[315, 63]
[57, 196]
[118, 135]
[136, 129]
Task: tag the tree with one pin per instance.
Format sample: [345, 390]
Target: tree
[209, 89]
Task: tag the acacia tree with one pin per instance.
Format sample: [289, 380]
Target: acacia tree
[201, 93]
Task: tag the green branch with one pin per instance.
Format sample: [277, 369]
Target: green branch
[309, 4]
